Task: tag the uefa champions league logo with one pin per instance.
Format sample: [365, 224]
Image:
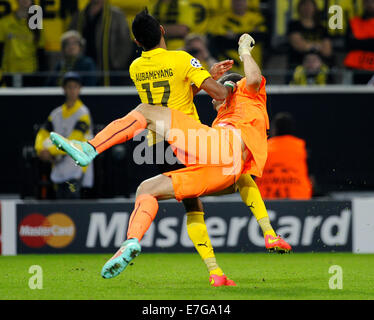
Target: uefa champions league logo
[195, 63]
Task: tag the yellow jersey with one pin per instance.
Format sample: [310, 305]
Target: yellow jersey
[164, 77]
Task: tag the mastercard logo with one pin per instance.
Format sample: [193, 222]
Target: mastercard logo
[56, 230]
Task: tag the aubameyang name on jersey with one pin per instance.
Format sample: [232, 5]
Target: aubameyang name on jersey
[153, 75]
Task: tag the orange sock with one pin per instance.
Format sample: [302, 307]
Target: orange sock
[146, 207]
[119, 131]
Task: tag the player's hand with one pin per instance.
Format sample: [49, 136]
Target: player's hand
[220, 68]
[246, 45]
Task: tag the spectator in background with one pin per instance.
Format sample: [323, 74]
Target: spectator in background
[312, 72]
[108, 40]
[73, 59]
[72, 120]
[176, 16]
[286, 171]
[360, 45]
[196, 45]
[307, 34]
[21, 49]
[227, 28]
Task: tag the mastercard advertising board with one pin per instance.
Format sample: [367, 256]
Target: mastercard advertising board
[46, 229]
[100, 226]
[56, 230]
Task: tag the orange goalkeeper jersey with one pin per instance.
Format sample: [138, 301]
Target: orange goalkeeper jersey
[247, 112]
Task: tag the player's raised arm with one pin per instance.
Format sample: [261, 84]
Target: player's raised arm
[217, 71]
[251, 69]
[216, 90]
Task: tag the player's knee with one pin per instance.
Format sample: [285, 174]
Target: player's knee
[143, 188]
[147, 111]
[149, 186]
[142, 107]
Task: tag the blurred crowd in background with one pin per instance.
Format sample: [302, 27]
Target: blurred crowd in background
[298, 42]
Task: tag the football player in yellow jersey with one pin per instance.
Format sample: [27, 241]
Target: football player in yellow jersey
[171, 78]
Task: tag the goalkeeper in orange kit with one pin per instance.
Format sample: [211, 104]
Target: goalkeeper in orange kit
[244, 110]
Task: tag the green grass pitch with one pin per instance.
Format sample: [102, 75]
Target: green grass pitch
[184, 277]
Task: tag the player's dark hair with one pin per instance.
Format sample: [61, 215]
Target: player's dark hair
[283, 123]
[234, 77]
[146, 30]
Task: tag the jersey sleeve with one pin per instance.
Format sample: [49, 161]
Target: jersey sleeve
[193, 69]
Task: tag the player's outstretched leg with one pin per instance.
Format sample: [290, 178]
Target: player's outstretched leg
[121, 259]
[118, 131]
[146, 207]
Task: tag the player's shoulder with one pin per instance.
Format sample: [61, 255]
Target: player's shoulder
[183, 57]
[178, 54]
[244, 90]
[135, 64]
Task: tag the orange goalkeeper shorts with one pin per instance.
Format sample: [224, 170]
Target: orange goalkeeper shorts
[212, 157]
